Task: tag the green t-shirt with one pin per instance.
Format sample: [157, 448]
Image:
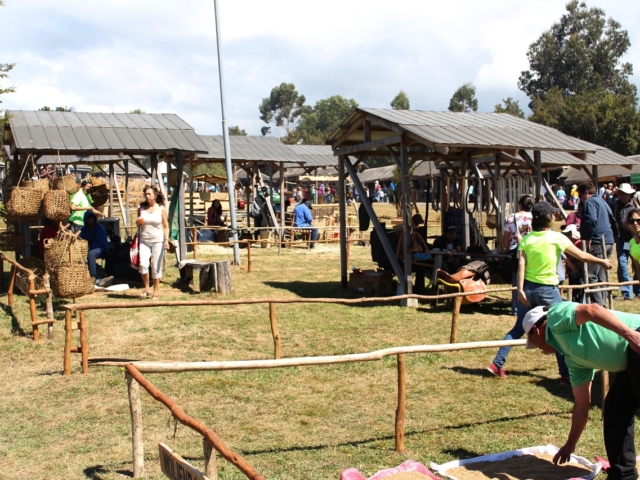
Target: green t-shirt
[79, 199]
[588, 347]
[543, 251]
[634, 249]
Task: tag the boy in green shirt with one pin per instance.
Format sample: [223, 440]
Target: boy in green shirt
[591, 338]
[80, 203]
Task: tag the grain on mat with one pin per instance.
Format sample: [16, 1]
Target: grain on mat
[533, 467]
[406, 476]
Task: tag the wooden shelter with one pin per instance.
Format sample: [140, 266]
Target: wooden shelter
[607, 173]
[112, 136]
[462, 146]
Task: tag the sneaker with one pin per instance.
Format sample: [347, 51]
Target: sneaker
[564, 381]
[498, 372]
[105, 282]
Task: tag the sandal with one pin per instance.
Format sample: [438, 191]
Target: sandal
[155, 297]
[144, 295]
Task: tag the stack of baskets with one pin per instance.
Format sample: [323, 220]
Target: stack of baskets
[64, 258]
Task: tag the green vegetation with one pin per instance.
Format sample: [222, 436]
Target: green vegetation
[235, 130]
[401, 101]
[464, 99]
[296, 423]
[511, 106]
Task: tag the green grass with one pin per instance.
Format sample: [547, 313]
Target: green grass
[296, 423]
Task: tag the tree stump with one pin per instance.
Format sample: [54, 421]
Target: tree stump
[221, 277]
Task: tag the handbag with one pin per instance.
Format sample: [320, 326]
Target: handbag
[134, 251]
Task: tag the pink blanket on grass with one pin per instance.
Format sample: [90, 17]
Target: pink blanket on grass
[408, 466]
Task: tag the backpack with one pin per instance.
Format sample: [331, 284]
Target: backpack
[256, 209]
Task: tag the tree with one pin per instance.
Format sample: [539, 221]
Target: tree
[285, 106]
[324, 118]
[137, 111]
[57, 109]
[401, 101]
[235, 130]
[578, 84]
[511, 106]
[464, 99]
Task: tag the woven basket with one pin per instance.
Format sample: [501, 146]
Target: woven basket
[11, 241]
[72, 281]
[56, 252]
[40, 184]
[67, 182]
[56, 205]
[25, 203]
[7, 187]
[99, 195]
[37, 267]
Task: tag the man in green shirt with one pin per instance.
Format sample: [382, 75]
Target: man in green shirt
[593, 338]
[80, 203]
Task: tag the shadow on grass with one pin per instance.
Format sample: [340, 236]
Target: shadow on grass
[365, 441]
[16, 329]
[316, 289]
[461, 453]
[100, 472]
[552, 385]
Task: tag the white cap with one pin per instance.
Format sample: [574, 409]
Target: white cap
[573, 230]
[626, 188]
[530, 319]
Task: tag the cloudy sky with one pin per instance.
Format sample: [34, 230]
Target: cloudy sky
[160, 55]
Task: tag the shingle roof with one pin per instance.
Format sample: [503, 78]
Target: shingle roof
[575, 175]
[107, 133]
[267, 149]
[465, 130]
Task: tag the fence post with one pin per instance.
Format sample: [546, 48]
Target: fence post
[455, 318]
[48, 303]
[277, 349]
[195, 242]
[402, 398]
[32, 309]
[137, 441]
[249, 256]
[210, 462]
[68, 327]
[84, 345]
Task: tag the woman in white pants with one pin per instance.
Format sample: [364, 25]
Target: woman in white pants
[154, 238]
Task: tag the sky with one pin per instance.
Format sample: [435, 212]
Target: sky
[160, 56]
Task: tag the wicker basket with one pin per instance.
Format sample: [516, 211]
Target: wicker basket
[40, 184]
[99, 195]
[56, 252]
[67, 182]
[37, 267]
[11, 241]
[72, 281]
[25, 203]
[56, 205]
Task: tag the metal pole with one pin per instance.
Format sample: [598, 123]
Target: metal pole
[227, 147]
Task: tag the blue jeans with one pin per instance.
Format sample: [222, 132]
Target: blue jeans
[92, 256]
[314, 233]
[537, 294]
[623, 268]
[514, 294]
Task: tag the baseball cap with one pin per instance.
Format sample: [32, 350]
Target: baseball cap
[530, 319]
[573, 230]
[451, 227]
[542, 209]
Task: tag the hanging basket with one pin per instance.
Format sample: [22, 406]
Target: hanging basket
[40, 184]
[25, 203]
[66, 182]
[65, 250]
[11, 241]
[99, 195]
[56, 205]
[37, 267]
[72, 281]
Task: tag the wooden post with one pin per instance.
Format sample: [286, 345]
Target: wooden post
[249, 257]
[222, 277]
[112, 177]
[195, 242]
[68, 326]
[12, 282]
[277, 348]
[191, 185]
[181, 213]
[605, 387]
[348, 256]
[603, 245]
[283, 202]
[402, 399]
[126, 192]
[32, 309]
[48, 303]
[135, 407]
[344, 241]
[210, 462]
[84, 346]
[406, 223]
[455, 318]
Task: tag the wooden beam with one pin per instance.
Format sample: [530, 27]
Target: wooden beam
[355, 126]
[181, 212]
[395, 157]
[438, 148]
[364, 147]
[384, 123]
[342, 202]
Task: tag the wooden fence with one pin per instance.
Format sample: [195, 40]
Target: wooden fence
[135, 378]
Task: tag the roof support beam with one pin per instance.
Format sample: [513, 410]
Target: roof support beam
[395, 158]
[589, 173]
[384, 123]
[441, 150]
[391, 255]
[525, 156]
[356, 125]
[364, 147]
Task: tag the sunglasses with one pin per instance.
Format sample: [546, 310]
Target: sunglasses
[634, 221]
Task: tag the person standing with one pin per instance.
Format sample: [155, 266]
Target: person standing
[539, 254]
[516, 228]
[595, 224]
[633, 223]
[302, 218]
[80, 204]
[154, 238]
[621, 210]
[594, 338]
[574, 196]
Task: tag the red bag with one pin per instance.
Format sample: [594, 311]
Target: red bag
[134, 253]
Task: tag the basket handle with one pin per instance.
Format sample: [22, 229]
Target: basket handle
[29, 158]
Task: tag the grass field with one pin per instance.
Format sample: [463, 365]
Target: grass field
[297, 423]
